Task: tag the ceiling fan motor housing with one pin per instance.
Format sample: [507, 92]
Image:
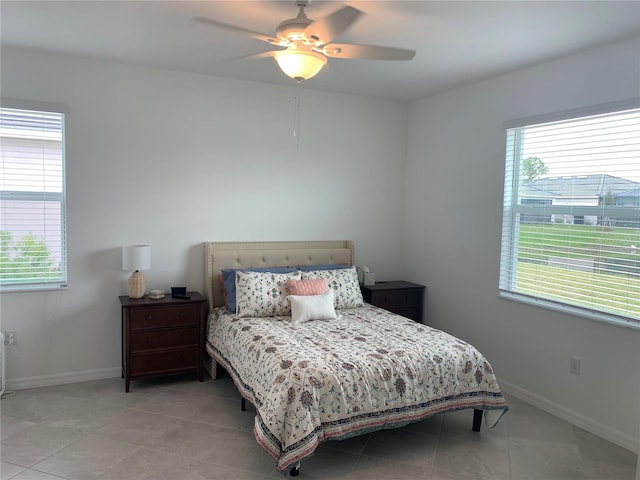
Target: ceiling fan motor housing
[292, 29]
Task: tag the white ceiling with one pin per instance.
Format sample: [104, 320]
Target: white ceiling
[457, 42]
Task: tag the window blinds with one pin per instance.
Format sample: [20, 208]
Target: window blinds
[32, 200]
[571, 218]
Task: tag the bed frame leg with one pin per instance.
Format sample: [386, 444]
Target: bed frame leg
[295, 470]
[477, 420]
[243, 404]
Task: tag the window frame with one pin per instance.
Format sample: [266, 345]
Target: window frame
[513, 209]
[61, 282]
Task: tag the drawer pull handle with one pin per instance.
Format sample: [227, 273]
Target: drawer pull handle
[149, 317]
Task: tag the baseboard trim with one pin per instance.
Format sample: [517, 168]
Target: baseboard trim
[62, 378]
[614, 436]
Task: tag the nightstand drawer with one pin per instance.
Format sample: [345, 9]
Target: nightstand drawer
[165, 316]
[397, 299]
[164, 362]
[405, 312]
[173, 337]
[403, 298]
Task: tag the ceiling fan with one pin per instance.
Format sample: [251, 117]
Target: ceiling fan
[306, 43]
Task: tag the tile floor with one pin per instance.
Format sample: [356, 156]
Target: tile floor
[178, 428]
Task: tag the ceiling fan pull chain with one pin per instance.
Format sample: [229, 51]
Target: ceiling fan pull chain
[296, 115]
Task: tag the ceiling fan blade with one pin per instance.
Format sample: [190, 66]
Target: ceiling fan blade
[236, 29]
[257, 56]
[325, 29]
[254, 56]
[366, 52]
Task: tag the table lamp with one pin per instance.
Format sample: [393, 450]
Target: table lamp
[136, 257]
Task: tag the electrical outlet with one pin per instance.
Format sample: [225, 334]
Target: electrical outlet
[574, 365]
[10, 337]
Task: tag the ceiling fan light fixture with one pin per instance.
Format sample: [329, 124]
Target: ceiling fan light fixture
[300, 64]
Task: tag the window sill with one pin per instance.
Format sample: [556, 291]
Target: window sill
[35, 288]
[618, 321]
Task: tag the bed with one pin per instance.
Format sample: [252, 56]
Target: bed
[336, 372]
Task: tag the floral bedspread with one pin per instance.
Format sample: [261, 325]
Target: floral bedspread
[333, 379]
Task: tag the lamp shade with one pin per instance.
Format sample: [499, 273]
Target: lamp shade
[136, 257]
[300, 64]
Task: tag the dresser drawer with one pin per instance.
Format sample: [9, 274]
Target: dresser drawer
[164, 362]
[173, 337]
[165, 316]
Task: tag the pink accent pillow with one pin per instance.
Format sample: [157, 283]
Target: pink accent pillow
[316, 286]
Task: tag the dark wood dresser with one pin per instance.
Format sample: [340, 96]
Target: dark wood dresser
[403, 298]
[162, 337]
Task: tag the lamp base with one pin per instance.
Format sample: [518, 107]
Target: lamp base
[136, 285]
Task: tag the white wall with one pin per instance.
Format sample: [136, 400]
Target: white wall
[454, 176]
[172, 160]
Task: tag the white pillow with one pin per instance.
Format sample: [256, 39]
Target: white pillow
[263, 294]
[312, 307]
[343, 282]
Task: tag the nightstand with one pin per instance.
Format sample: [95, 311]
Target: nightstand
[162, 337]
[403, 298]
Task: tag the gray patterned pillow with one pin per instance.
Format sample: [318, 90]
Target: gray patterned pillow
[263, 294]
[344, 283]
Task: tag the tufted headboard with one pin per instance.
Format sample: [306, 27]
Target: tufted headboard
[219, 255]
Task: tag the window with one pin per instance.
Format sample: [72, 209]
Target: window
[571, 220]
[32, 200]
